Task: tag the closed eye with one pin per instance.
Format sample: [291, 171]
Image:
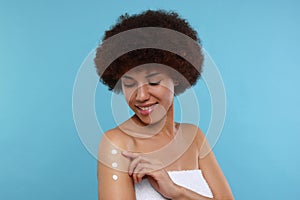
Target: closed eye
[154, 83]
[129, 85]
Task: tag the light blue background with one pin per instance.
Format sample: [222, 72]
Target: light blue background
[42, 44]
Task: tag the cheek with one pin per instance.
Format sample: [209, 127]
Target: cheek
[167, 94]
[128, 93]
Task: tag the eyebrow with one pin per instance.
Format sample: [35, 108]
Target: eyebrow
[151, 75]
[128, 77]
[147, 76]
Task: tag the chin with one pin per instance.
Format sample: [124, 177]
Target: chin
[157, 116]
[147, 120]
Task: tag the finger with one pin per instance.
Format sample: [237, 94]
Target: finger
[140, 171]
[145, 168]
[134, 163]
[131, 155]
[139, 177]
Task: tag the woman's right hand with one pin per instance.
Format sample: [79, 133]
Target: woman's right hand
[141, 166]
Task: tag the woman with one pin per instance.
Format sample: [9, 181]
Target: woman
[150, 156]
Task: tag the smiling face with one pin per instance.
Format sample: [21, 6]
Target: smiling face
[149, 92]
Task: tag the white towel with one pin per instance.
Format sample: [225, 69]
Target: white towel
[191, 179]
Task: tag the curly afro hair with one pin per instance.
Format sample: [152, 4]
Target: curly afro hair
[189, 74]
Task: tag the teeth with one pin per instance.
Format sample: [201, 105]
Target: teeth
[145, 108]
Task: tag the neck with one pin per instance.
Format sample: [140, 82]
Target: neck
[168, 125]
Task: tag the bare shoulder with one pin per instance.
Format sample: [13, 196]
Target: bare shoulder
[189, 127]
[116, 136]
[110, 149]
[194, 133]
[193, 130]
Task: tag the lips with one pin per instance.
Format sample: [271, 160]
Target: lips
[146, 109]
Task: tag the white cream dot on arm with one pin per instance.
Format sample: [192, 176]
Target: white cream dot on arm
[115, 177]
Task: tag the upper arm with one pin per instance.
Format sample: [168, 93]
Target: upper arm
[113, 179]
[110, 188]
[211, 170]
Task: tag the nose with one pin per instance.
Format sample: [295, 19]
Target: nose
[142, 93]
